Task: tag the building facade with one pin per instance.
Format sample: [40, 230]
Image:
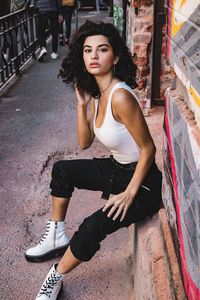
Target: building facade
[179, 89]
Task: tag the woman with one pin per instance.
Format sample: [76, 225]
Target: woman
[100, 66]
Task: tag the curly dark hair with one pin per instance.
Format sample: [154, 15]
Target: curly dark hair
[73, 67]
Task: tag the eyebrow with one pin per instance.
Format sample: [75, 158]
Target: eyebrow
[101, 45]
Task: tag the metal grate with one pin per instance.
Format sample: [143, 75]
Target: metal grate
[18, 42]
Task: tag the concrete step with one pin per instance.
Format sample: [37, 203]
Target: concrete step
[156, 272]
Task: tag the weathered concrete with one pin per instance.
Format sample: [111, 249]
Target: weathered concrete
[156, 272]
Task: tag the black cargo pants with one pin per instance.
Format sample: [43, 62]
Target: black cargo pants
[110, 177]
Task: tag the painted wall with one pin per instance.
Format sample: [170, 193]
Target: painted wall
[184, 48]
[181, 167]
[118, 15]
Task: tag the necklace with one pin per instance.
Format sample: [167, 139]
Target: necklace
[103, 91]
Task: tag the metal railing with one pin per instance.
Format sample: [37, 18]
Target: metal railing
[18, 42]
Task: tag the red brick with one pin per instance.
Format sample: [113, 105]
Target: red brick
[145, 11]
[140, 50]
[144, 71]
[147, 2]
[144, 24]
[136, 3]
[144, 37]
[141, 61]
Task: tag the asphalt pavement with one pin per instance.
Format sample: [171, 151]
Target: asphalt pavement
[37, 128]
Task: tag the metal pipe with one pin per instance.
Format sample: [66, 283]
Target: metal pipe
[159, 18]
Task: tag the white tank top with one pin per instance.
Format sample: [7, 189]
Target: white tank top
[114, 135]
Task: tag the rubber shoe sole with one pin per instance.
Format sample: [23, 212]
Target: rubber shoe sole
[42, 58]
[53, 253]
[60, 292]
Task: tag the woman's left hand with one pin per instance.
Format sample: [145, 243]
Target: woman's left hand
[119, 204]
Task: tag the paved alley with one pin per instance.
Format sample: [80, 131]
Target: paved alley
[37, 128]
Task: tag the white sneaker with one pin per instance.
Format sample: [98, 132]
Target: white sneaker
[52, 285]
[54, 55]
[54, 242]
[42, 55]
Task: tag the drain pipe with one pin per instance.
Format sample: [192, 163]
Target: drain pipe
[159, 18]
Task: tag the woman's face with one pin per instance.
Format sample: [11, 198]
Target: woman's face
[98, 55]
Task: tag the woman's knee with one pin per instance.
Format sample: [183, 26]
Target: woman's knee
[57, 167]
[86, 241]
[61, 169]
[61, 183]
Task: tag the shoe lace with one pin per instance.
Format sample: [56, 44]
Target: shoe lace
[46, 233]
[49, 284]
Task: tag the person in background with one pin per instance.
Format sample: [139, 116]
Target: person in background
[111, 8]
[68, 7]
[49, 13]
[100, 4]
[101, 68]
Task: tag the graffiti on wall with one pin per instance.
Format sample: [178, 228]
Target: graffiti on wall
[181, 161]
[183, 48]
[118, 18]
[181, 148]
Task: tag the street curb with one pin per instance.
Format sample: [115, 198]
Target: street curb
[170, 256]
[156, 272]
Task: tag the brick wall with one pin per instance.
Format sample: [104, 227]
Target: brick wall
[139, 40]
[139, 37]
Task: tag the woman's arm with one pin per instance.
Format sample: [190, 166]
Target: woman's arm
[127, 111]
[85, 119]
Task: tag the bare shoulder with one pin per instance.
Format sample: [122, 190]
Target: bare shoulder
[123, 100]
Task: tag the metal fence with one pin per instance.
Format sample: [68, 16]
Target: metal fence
[18, 42]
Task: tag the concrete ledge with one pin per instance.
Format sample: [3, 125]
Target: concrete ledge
[156, 272]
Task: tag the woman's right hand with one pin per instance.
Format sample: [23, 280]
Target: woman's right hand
[85, 119]
[82, 97]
